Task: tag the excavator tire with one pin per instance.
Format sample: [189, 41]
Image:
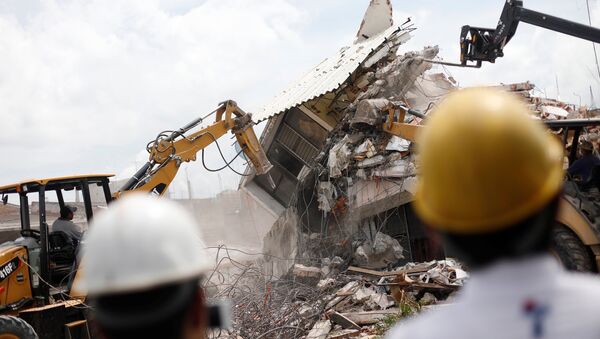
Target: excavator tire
[15, 328]
[569, 249]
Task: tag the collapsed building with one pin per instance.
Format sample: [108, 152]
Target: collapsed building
[306, 124]
[353, 200]
[341, 185]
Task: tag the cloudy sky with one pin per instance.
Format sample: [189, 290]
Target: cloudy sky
[85, 84]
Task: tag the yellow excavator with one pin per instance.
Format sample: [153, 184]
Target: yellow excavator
[576, 236]
[38, 269]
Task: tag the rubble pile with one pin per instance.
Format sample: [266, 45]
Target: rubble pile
[363, 171]
[358, 150]
[334, 301]
[365, 152]
[547, 108]
[382, 251]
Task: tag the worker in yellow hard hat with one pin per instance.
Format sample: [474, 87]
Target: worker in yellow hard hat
[490, 179]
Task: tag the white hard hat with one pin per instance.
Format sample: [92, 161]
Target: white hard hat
[141, 242]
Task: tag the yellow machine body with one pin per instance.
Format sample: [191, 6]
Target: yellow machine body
[15, 284]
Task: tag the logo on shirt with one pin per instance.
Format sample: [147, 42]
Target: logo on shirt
[537, 312]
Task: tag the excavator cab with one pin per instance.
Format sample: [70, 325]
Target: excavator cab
[37, 265]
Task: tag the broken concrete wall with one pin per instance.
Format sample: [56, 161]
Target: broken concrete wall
[394, 79]
[232, 218]
[280, 245]
[380, 251]
[370, 197]
[427, 87]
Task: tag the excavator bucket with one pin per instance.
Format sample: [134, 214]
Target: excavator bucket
[248, 141]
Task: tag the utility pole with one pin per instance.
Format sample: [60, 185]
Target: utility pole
[578, 96]
[587, 2]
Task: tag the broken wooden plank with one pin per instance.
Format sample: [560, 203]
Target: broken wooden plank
[342, 305]
[420, 285]
[334, 302]
[350, 287]
[344, 294]
[343, 321]
[370, 317]
[367, 271]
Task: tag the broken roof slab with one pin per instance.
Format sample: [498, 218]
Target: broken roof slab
[378, 18]
[333, 72]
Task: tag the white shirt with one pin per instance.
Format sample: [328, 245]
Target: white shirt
[533, 298]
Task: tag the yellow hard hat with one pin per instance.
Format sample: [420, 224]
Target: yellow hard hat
[484, 163]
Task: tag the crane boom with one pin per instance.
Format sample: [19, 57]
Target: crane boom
[486, 44]
[479, 44]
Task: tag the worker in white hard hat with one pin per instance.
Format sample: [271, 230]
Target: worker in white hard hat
[143, 260]
[490, 182]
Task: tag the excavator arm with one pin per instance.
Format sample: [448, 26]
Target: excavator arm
[170, 149]
[396, 112]
[395, 125]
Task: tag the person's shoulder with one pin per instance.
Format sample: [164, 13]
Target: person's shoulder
[581, 282]
[582, 289]
[577, 301]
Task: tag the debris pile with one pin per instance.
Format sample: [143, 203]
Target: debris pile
[382, 251]
[547, 108]
[363, 171]
[363, 151]
[333, 300]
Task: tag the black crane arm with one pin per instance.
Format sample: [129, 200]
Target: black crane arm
[486, 44]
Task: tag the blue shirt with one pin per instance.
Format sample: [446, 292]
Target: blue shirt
[583, 166]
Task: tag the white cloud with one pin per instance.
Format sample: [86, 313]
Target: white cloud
[84, 85]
